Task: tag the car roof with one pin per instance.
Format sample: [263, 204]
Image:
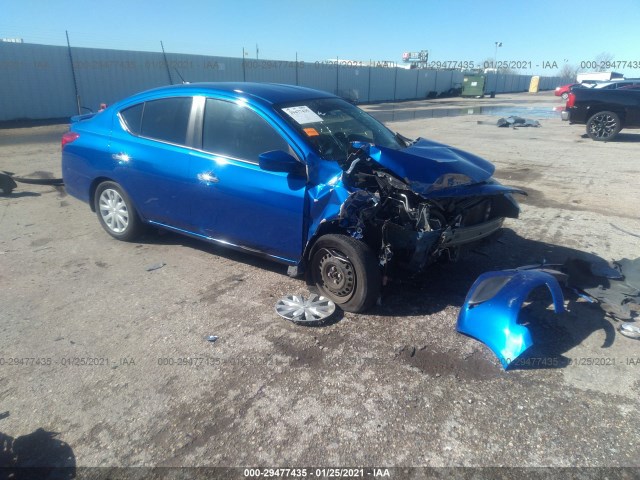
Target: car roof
[270, 93]
[615, 82]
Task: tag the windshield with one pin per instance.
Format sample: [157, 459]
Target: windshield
[330, 124]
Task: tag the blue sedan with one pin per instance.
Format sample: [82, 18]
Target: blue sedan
[294, 174]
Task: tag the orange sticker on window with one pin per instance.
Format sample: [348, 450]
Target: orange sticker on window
[311, 132]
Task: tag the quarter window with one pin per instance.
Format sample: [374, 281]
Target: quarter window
[236, 131]
[132, 117]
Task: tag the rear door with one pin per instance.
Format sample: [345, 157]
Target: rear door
[151, 152]
[235, 201]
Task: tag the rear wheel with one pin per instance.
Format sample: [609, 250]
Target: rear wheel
[116, 212]
[604, 126]
[346, 271]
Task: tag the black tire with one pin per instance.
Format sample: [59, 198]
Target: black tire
[116, 212]
[604, 126]
[565, 96]
[346, 271]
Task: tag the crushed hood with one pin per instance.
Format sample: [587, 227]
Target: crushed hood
[428, 166]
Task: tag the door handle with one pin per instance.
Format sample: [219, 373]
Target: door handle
[121, 157]
[208, 177]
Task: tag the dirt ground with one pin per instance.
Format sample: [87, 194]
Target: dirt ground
[114, 358]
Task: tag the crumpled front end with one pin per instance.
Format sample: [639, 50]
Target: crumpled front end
[411, 209]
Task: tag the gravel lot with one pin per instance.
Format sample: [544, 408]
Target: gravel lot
[395, 387]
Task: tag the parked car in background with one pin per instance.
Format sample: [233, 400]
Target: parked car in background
[604, 112]
[297, 175]
[563, 91]
[616, 84]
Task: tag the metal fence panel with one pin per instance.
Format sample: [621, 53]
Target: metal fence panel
[406, 84]
[37, 80]
[382, 84]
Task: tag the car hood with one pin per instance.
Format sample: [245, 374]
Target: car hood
[428, 166]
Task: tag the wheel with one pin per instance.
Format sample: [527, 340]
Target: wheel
[346, 271]
[565, 95]
[116, 212]
[604, 126]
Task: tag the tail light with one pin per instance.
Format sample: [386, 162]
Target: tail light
[68, 138]
[571, 100]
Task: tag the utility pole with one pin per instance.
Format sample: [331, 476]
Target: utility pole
[166, 64]
[73, 73]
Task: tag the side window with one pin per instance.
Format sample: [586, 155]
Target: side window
[167, 119]
[132, 116]
[236, 131]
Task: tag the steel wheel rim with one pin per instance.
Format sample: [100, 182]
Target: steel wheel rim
[603, 126]
[300, 310]
[337, 274]
[113, 210]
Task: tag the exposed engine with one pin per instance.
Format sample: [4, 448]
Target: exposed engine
[407, 229]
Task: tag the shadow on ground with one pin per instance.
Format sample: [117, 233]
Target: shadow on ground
[36, 455]
[446, 284]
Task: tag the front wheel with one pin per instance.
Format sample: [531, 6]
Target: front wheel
[346, 271]
[116, 212]
[604, 126]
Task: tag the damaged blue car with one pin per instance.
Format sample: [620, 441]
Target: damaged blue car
[294, 174]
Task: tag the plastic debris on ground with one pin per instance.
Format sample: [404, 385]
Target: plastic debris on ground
[630, 330]
[517, 122]
[155, 266]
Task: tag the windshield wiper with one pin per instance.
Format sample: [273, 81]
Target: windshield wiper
[407, 142]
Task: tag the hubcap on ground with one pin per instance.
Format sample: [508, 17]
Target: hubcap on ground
[305, 310]
[113, 210]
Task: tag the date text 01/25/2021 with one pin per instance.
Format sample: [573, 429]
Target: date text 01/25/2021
[323, 472]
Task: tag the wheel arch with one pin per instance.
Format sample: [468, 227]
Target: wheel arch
[621, 113]
[93, 187]
[323, 229]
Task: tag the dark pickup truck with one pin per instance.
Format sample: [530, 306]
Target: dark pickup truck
[605, 112]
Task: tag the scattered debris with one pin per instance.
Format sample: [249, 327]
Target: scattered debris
[517, 122]
[212, 338]
[630, 330]
[490, 311]
[6, 183]
[297, 309]
[155, 266]
[616, 286]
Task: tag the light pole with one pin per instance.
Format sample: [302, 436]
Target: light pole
[495, 56]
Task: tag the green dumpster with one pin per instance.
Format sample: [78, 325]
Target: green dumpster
[473, 85]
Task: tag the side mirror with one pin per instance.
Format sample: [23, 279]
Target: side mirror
[279, 161]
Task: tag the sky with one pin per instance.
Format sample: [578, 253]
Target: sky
[537, 37]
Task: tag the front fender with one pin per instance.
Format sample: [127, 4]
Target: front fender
[490, 311]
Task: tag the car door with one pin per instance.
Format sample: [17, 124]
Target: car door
[235, 201]
[151, 152]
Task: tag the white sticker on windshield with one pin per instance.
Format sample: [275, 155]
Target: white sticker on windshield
[302, 114]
